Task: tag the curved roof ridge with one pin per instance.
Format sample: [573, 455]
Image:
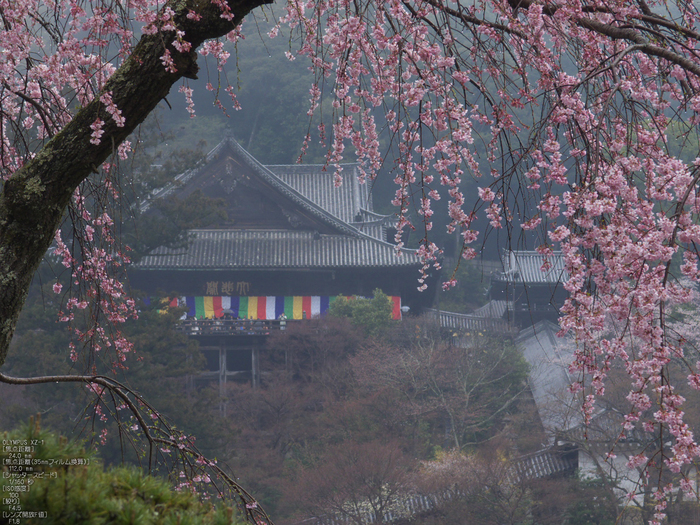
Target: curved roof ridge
[374, 213]
[369, 223]
[317, 183]
[257, 249]
[284, 188]
[290, 192]
[359, 233]
[270, 176]
[300, 166]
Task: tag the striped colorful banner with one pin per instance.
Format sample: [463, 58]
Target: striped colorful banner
[269, 307]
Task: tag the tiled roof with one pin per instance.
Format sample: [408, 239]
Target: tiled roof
[526, 267]
[348, 202]
[305, 202]
[549, 358]
[496, 308]
[605, 428]
[266, 175]
[219, 249]
[357, 243]
[542, 464]
[317, 185]
[469, 322]
[373, 229]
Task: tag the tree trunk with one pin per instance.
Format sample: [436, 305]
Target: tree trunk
[34, 199]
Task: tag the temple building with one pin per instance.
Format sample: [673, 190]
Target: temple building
[288, 232]
[291, 242]
[530, 288]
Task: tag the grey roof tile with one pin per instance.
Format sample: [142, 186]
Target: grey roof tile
[318, 185]
[541, 464]
[217, 249]
[469, 322]
[549, 358]
[526, 267]
[495, 308]
[359, 244]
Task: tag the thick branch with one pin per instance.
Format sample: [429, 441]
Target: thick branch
[620, 33]
[34, 199]
[611, 31]
[247, 503]
[468, 19]
[100, 380]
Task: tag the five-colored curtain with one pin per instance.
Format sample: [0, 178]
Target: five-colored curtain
[262, 307]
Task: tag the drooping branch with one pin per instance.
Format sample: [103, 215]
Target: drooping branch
[469, 19]
[606, 29]
[646, 47]
[34, 198]
[161, 435]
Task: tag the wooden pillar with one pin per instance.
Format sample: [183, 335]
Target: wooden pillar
[222, 379]
[255, 365]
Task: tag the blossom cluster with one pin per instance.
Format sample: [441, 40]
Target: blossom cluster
[97, 292]
[576, 122]
[580, 116]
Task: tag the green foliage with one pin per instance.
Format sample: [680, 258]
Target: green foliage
[371, 315]
[592, 506]
[468, 294]
[163, 358]
[87, 493]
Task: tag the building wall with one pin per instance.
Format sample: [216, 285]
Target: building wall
[325, 282]
[626, 480]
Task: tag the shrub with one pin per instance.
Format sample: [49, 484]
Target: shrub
[70, 485]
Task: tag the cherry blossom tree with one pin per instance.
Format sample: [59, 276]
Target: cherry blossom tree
[357, 482]
[76, 78]
[578, 118]
[588, 112]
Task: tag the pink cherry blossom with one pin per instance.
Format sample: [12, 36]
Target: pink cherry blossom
[577, 121]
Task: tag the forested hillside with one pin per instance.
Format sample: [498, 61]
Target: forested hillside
[567, 130]
[355, 407]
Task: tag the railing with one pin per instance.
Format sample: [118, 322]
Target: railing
[231, 327]
[468, 322]
[533, 307]
[542, 464]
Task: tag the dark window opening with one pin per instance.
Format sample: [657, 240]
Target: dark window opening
[239, 360]
[212, 358]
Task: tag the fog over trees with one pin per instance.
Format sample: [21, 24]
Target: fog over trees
[564, 127]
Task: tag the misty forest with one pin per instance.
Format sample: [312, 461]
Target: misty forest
[333, 262]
